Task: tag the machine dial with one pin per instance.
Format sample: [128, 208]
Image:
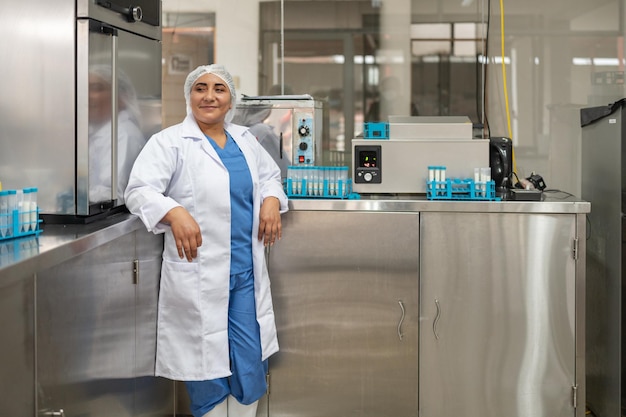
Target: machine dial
[303, 146]
[368, 176]
[304, 130]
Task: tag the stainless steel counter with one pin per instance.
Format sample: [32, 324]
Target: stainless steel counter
[79, 306]
[557, 202]
[57, 243]
[89, 268]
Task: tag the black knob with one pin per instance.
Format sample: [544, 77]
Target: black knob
[303, 146]
[304, 130]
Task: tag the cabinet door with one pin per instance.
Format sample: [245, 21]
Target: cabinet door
[345, 288]
[17, 350]
[86, 332]
[497, 304]
[96, 332]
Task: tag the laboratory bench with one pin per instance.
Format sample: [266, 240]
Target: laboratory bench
[384, 305]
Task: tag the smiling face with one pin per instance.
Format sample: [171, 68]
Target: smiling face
[210, 100]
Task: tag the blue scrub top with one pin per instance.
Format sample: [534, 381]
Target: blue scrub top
[241, 205]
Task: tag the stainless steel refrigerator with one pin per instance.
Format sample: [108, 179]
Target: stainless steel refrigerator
[603, 185]
[80, 94]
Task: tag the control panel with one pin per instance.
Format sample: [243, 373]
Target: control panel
[304, 143]
[367, 161]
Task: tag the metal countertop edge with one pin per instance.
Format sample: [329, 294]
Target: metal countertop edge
[58, 243]
[75, 244]
[548, 206]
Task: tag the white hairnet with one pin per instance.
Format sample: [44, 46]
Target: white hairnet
[220, 71]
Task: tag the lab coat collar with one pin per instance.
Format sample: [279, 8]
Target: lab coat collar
[192, 131]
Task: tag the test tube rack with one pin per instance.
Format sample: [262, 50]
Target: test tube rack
[319, 182]
[18, 223]
[18, 217]
[461, 189]
[440, 188]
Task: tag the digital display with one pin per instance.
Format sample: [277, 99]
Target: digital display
[368, 159]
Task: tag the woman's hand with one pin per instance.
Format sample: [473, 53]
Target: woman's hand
[186, 232]
[270, 228]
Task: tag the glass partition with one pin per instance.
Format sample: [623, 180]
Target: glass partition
[523, 73]
[369, 60]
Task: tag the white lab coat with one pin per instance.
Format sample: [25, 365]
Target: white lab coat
[179, 167]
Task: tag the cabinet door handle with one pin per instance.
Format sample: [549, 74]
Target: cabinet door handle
[437, 317]
[400, 334]
[59, 413]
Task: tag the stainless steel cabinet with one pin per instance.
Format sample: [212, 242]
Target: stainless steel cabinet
[498, 323]
[345, 288]
[96, 332]
[101, 95]
[17, 350]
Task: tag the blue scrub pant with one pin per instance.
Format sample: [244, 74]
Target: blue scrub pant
[247, 382]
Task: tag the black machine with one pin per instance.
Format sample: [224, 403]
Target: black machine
[501, 163]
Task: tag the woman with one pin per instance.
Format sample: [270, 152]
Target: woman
[217, 195]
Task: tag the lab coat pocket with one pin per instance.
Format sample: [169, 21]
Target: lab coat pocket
[180, 284]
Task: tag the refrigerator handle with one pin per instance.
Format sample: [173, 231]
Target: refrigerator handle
[114, 116]
[99, 27]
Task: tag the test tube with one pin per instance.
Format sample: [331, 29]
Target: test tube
[477, 186]
[19, 205]
[485, 177]
[4, 213]
[12, 210]
[441, 174]
[330, 173]
[303, 179]
[289, 180]
[34, 213]
[431, 178]
[310, 188]
[294, 180]
[291, 177]
[343, 178]
[316, 181]
[25, 210]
